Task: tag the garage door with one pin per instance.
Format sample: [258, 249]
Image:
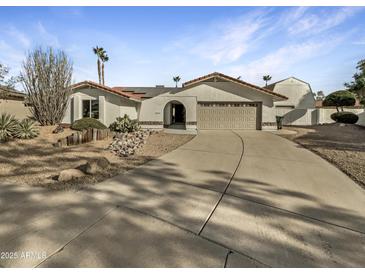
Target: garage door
[227, 115]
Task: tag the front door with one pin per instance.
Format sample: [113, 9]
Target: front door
[178, 111]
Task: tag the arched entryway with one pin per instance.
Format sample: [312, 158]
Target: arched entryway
[174, 115]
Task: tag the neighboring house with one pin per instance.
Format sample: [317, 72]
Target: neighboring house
[299, 109]
[214, 101]
[12, 102]
[299, 93]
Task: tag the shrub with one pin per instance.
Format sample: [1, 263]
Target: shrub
[124, 124]
[345, 117]
[86, 123]
[362, 101]
[341, 98]
[8, 127]
[26, 130]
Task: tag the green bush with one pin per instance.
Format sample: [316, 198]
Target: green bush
[86, 123]
[8, 127]
[341, 98]
[345, 117]
[124, 124]
[362, 101]
[26, 130]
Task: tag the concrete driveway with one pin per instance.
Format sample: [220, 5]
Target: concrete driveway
[225, 199]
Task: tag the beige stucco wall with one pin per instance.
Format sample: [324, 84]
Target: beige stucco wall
[111, 106]
[299, 94]
[14, 107]
[152, 109]
[325, 115]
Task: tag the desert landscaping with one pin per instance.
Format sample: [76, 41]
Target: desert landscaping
[341, 144]
[38, 162]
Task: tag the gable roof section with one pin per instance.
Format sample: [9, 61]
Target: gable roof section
[233, 80]
[272, 86]
[89, 84]
[10, 93]
[146, 92]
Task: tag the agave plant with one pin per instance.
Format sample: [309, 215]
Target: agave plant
[8, 127]
[26, 130]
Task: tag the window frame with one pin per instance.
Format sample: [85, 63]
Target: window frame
[90, 108]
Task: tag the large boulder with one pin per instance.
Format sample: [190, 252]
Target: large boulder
[94, 166]
[69, 174]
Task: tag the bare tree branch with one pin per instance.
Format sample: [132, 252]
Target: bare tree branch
[46, 78]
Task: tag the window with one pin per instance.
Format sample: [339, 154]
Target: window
[90, 108]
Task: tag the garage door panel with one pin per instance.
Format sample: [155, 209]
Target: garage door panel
[227, 116]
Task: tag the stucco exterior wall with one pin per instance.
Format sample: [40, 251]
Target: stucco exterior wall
[152, 115]
[325, 115]
[111, 106]
[14, 107]
[310, 116]
[152, 110]
[299, 93]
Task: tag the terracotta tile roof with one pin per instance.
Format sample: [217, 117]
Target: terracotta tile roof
[10, 93]
[234, 80]
[130, 93]
[105, 88]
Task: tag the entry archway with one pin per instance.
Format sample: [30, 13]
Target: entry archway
[174, 115]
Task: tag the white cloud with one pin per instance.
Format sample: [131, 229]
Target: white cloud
[21, 37]
[311, 23]
[361, 42]
[280, 61]
[227, 41]
[49, 38]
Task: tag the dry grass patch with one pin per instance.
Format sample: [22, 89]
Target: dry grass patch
[342, 145]
[37, 162]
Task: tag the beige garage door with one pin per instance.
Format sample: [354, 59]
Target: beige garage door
[227, 115]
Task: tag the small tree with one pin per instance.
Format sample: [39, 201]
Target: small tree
[46, 77]
[266, 78]
[176, 80]
[340, 99]
[5, 81]
[357, 86]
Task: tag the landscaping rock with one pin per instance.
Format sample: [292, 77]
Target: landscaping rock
[69, 174]
[126, 144]
[58, 129]
[94, 166]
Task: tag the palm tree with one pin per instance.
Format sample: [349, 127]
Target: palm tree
[104, 58]
[98, 52]
[266, 78]
[176, 79]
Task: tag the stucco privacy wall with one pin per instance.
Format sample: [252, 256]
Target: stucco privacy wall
[111, 106]
[325, 115]
[14, 107]
[298, 92]
[305, 117]
[206, 92]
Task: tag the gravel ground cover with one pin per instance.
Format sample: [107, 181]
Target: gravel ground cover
[37, 162]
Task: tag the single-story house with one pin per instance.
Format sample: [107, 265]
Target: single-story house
[214, 101]
[12, 102]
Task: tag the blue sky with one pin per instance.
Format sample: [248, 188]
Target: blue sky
[149, 45]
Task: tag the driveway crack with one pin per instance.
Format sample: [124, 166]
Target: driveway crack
[78, 235]
[228, 184]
